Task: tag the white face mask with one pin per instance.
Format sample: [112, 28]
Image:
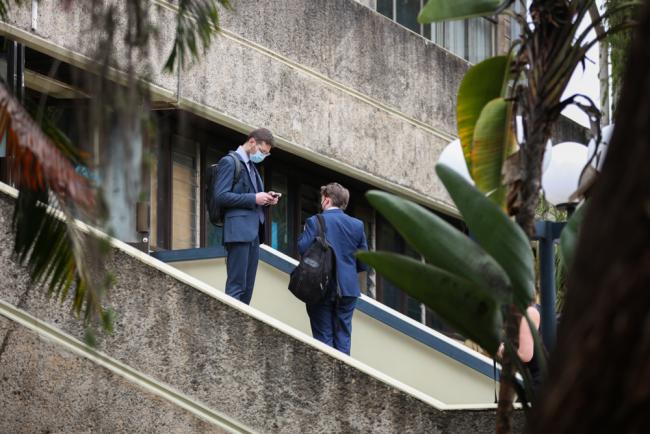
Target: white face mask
[258, 157]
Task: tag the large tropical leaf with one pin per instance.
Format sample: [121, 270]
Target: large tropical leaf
[463, 305]
[55, 251]
[495, 232]
[569, 236]
[439, 10]
[481, 84]
[494, 141]
[441, 244]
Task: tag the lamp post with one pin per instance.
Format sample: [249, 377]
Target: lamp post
[559, 182]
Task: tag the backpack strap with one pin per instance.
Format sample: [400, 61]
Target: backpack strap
[238, 167]
[322, 229]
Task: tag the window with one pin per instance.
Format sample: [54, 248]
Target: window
[389, 240]
[185, 194]
[281, 234]
[515, 26]
[473, 39]
[480, 33]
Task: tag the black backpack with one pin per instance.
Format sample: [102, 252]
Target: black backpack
[310, 280]
[215, 212]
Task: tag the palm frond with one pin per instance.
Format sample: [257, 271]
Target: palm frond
[56, 252]
[37, 162]
[197, 23]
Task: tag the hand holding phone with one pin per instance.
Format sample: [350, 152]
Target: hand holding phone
[275, 195]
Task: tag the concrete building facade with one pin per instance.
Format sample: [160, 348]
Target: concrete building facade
[355, 92]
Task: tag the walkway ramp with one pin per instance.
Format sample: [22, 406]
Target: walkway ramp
[392, 343]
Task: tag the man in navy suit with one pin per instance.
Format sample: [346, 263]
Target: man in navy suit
[243, 203]
[331, 319]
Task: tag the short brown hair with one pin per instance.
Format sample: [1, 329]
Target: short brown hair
[262, 135]
[340, 195]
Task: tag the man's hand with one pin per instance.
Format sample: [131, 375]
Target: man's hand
[264, 199]
[276, 197]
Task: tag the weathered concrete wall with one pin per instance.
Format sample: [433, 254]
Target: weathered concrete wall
[44, 388]
[359, 48]
[330, 76]
[231, 361]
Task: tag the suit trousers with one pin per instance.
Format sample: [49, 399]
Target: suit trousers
[241, 264]
[331, 322]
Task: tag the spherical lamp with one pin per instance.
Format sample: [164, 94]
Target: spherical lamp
[561, 178]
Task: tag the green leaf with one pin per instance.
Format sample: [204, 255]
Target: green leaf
[569, 236]
[494, 141]
[495, 232]
[441, 244]
[463, 305]
[439, 10]
[481, 84]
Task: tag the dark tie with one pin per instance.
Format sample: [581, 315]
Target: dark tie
[254, 177]
[257, 187]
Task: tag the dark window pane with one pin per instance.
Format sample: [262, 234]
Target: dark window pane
[280, 233]
[413, 309]
[385, 7]
[426, 31]
[309, 203]
[391, 295]
[407, 14]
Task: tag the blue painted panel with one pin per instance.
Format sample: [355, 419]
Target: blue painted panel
[190, 254]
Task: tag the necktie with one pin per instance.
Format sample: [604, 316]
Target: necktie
[257, 187]
[254, 177]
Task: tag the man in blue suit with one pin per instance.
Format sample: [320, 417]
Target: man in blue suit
[243, 201]
[331, 319]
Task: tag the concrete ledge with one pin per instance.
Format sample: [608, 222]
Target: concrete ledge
[45, 388]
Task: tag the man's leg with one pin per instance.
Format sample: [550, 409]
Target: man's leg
[237, 266]
[321, 318]
[251, 270]
[343, 324]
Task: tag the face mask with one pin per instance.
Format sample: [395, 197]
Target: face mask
[257, 157]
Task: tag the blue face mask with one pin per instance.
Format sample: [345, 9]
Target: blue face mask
[258, 157]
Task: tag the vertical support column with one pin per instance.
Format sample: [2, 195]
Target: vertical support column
[547, 284]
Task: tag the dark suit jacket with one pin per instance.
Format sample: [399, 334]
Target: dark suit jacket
[346, 235]
[241, 218]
